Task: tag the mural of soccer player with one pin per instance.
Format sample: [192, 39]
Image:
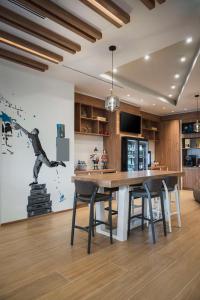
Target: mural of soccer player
[41, 157]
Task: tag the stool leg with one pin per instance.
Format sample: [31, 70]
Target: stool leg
[90, 226]
[94, 221]
[73, 220]
[178, 206]
[143, 199]
[110, 218]
[168, 207]
[151, 219]
[163, 214]
[129, 214]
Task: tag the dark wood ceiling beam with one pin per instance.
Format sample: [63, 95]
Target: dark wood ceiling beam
[150, 4]
[59, 15]
[17, 21]
[108, 10]
[16, 42]
[22, 60]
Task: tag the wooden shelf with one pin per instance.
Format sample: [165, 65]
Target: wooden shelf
[148, 132]
[91, 133]
[86, 121]
[150, 129]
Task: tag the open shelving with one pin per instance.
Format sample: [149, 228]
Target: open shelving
[91, 120]
[150, 130]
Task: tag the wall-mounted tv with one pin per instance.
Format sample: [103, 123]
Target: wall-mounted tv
[130, 123]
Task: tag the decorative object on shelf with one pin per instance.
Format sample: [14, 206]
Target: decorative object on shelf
[197, 123]
[112, 102]
[103, 119]
[60, 130]
[104, 159]
[95, 159]
[81, 165]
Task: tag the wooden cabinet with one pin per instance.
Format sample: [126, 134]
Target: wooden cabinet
[191, 178]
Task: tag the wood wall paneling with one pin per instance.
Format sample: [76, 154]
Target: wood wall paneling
[17, 21]
[168, 149]
[191, 179]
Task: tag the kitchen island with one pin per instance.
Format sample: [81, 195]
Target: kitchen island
[122, 180]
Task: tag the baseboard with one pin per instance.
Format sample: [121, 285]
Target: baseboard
[42, 216]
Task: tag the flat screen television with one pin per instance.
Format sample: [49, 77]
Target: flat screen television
[130, 123]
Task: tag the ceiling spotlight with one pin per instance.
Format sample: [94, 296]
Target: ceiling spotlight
[189, 40]
[164, 107]
[115, 70]
[176, 76]
[128, 95]
[173, 87]
[154, 104]
[170, 95]
[147, 57]
[172, 111]
[183, 59]
[185, 108]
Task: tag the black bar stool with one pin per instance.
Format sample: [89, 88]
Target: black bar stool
[111, 191]
[87, 192]
[152, 188]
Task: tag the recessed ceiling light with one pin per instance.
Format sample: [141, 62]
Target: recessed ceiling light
[170, 95]
[141, 100]
[128, 95]
[176, 76]
[183, 59]
[172, 111]
[164, 107]
[147, 57]
[189, 40]
[185, 108]
[154, 104]
[115, 70]
[173, 87]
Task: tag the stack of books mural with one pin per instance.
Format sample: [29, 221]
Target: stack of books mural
[39, 202]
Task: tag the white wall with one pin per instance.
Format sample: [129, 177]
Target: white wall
[51, 102]
[152, 149]
[84, 146]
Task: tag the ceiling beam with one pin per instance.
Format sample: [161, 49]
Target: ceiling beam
[22, 60]
[150, 4]
[17, 21]
[63, 17]
[108, 10]
[16, 42]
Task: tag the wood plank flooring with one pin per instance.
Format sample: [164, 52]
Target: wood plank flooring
[37, 261]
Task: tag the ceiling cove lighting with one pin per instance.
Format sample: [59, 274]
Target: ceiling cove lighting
[112, 102]
[189, 40]
[109, 10]
[16, 42]
[197, 123]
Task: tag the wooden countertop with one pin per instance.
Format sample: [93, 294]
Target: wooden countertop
[77, 172]
[124, 178]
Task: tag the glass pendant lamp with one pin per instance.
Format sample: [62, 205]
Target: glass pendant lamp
[112, 102]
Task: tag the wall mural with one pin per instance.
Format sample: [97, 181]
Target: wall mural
[39, 200]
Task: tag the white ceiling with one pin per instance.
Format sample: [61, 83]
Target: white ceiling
[159, 32]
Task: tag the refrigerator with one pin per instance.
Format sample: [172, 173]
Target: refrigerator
[134, 154]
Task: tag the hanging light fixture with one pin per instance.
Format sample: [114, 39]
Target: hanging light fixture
[112, 102]
[197, 123]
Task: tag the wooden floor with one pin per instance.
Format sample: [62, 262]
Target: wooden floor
[37, 261]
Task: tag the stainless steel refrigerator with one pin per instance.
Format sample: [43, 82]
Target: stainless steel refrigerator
[134, 154]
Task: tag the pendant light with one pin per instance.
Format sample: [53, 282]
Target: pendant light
[197, 123]
[112, 102]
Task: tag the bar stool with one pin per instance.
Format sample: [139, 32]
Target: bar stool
[111, 191]
[152, 188]
[170, 184]
[87, 192]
